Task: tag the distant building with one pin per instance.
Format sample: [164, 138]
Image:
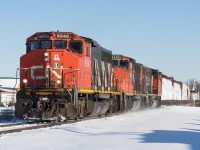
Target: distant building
[7, 98]
[8, 91]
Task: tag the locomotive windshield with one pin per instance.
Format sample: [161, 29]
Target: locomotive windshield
[76, 46]
[32, 45]
[124, 64]
[115, 62]
[45, 44]
[60, 44]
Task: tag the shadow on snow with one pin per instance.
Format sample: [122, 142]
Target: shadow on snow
[183, 137]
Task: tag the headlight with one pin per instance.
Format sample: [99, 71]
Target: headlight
[46, 59]
[46, 54]
[25, 81]
[58, 81]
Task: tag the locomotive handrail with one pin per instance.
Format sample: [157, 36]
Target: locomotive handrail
[17, 76]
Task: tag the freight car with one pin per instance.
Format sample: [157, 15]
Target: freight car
[177, 93]
[63, 75]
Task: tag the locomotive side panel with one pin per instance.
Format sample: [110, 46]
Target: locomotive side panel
[147, 80]
[84, 69]
[136, 77]
[101, 69]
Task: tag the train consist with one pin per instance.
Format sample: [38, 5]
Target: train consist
[63, 75]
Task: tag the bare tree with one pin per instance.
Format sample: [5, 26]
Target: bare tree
[190, 83]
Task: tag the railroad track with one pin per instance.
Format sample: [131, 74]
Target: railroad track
[45, 125]
[35, 125]
[26, 128]
[12, 124]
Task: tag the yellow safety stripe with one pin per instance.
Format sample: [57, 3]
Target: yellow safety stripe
[97, 91]
[92, 91]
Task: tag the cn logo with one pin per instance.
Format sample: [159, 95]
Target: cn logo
[56, 57]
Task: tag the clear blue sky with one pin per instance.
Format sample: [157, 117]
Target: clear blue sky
[162, 34]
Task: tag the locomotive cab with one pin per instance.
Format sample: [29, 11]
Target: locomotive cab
[123, 73]
[55, 60]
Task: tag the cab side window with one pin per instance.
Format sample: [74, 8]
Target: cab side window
[32, 45]
[87, 51]
[76, 46]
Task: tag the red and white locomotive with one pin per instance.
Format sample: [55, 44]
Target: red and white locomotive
[63, 74]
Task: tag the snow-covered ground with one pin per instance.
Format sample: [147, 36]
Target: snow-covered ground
[167, 128]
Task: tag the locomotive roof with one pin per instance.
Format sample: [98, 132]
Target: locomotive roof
[96, 44]
[55, 32]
